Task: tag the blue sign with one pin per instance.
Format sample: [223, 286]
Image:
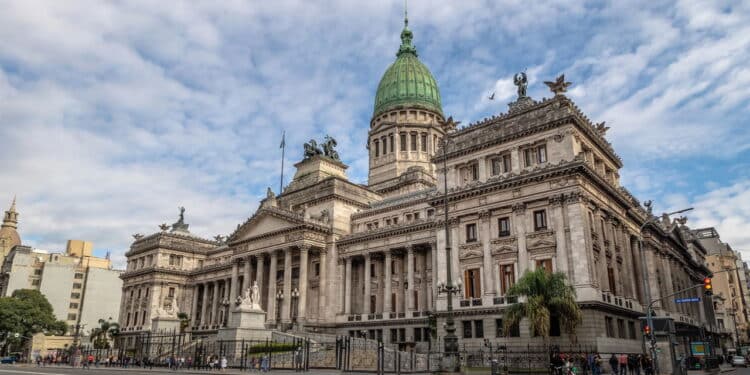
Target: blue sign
[686, 300]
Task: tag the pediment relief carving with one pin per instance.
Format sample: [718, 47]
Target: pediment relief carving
[540, 240]
[505, 249]
[469, 253]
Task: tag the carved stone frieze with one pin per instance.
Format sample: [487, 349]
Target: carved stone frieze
[472, 250]
[504, 245]
[519, 208]
[540, 240]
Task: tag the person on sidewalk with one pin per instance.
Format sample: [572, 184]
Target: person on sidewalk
[613, 363]
[623, 363]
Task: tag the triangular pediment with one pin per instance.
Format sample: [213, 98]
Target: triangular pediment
[266, 221]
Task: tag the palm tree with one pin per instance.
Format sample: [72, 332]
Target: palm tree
[101, 335]
[547, 295]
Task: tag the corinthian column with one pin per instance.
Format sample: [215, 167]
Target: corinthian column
[287, 302]
[302, 307]
[271, 297]
[368, 284]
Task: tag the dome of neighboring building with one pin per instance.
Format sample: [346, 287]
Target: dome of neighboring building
[407, 83]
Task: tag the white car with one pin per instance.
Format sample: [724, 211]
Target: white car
[739, 360]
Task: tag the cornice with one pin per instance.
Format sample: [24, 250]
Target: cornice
[388, 231]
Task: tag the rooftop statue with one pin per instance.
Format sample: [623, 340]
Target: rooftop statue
[182, 215]
[326, 148]
[520, 80]
[559, 86]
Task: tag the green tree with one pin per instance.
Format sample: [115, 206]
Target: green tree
[102, 335]
[27, 312]
[547, 295]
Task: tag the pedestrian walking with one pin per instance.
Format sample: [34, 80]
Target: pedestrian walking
[613, 363]
[622, 362]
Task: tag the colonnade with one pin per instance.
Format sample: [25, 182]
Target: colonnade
[401, 267]
[215, 299]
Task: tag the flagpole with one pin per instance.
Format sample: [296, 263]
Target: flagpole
[283, 148]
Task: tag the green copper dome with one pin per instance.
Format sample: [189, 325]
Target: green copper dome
[407, 82]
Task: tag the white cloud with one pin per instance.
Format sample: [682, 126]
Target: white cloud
[113, 114]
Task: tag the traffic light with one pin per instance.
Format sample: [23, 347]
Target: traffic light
[708, 289]
[646, 330]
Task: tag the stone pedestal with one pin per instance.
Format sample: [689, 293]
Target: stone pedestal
[246, 323]
[165, 323]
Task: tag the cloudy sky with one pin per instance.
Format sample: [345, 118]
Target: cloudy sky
[113, 114]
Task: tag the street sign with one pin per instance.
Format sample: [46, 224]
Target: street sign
[686, 300]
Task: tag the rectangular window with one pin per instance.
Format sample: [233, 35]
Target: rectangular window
[316, 267]
[72, 316]
[497, 166]
[390, 138]
[146, 292]
[621, 328]
[509, 278]
[143, 318]
[503, 226]
[424, 142]
[467, 328]
[631, 330]
[376, 145]
[479, 329]
[393, 267]
[73, 305]
[528, 157]
[403, 141]
[39, 272]
[416, 216]
[471, 232]
[77, 285]
[609, 325]
[127, 320]
[373, 304]
[499, 328]
[417, 334]
[279, 275]
[506, 163]
[77, 276]
[402, 334]
[474, 172]
[394, 335]
[171, 292]
[472, 283]
[413, 146]
[295, 273]
[393, 302]
[75, 295]
[545, 264]
[372, 269]
[385, 145]
[514, 330]
[611, 277]
[541, 154]
[540, 220]
[36, 282]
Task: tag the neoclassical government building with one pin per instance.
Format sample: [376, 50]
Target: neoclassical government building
[535, 187]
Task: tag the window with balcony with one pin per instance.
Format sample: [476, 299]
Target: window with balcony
[540, 220]
[472, 283]
[508, 278]
[503, 226]
[471, 232]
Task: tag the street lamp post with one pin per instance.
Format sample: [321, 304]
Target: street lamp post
[295, 308]
[448, 287]
[279, 299]
[649, 312]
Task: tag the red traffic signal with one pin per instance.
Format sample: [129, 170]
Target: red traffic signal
[708, 289]
[646, 330]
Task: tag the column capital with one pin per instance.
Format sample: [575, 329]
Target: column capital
[304, 247]
[410, 249]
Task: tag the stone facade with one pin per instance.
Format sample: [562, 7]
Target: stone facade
[535, 187]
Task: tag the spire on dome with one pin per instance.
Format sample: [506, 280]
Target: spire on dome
[13, 205]
[406, 37]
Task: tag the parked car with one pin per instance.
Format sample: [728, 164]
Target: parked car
[739, 360]
[10, 359]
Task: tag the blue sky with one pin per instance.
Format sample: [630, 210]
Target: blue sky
[113, 114]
